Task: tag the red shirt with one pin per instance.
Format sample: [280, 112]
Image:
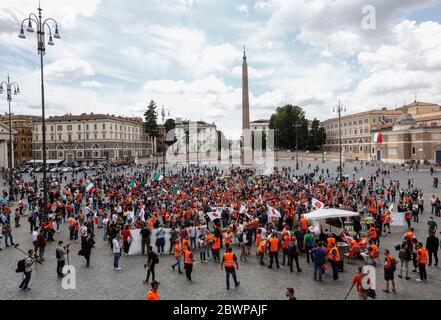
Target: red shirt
[126, 234]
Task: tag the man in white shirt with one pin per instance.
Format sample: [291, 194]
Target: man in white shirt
[116, 253]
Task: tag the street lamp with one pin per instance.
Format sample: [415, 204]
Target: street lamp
[9, 86]
[41, 25]
[339, 109]
[323, 146]
[296, 126]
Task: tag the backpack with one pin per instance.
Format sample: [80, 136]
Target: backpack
[393, 264]
[21, 266]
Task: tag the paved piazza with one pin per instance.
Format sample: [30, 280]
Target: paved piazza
[100, 281]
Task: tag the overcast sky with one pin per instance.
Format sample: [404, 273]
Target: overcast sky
[115, 56]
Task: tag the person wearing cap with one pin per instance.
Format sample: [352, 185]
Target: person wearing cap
[153, 292]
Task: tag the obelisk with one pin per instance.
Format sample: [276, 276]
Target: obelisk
[246, 156]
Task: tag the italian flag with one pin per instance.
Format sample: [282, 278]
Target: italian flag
[176, 191]
[377, 137]
[90, 187]
[159, 177]
[164, 190]
[132, 184]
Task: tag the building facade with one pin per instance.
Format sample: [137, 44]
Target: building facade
[202, 138]
[91, 138]
[260, 125]
[4, 142]
[23, 139]
[357, 133]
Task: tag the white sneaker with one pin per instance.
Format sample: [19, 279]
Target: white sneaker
[119, 268]
[418, 279]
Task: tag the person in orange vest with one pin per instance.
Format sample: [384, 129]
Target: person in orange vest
[422, 260]
[215, 248]
[286, 239]
[188, 262]
[261, 250]
[177, 249]
[229, 260]
[330, 240]
[227, 237]
[153, 292]
[373, 234]
[410, 234]
[274, 250]
[304, 223]
[389, 269]
[371, 253]
[334, 259]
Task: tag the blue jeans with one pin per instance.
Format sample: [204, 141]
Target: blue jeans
[116, 257]
[24, 284]
[8, 235]
[318, 269]
[193, 242]
[178, 263]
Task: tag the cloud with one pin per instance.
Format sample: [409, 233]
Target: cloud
[66, 13]
[243, 8]
[67, 69]
[91, 84]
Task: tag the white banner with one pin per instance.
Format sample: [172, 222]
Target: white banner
[396, 217]
[135, 245]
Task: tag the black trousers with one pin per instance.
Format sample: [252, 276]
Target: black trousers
[284, 255]
[145, 242]
[275, 256]
[435, 254]
[294, 257]
[334, 265]
[60, 265]
[232, 271]
[188, 269]
[423, 273]
[152, 272]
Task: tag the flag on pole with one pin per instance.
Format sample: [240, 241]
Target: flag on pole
[316, 204]
[377, 137]
[164, 190]
[176, 191]
[159, 177]
[132, 184]
[90, 187]
[226, 188]
[213, 215]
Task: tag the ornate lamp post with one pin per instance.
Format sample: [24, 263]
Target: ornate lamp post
[9, 86]
[42, 26]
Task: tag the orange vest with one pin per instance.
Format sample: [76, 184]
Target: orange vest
[185, 243]
[335, 257]
[188, 259]
[178, 250]
[152, 295]
[262, 247]
[286, 241]
[274, 245]
[422, 256]
[227, 237]
[409, 235]
[373, 233]
[374, 250]
[304, 222]
[229, 260]
[216, 244]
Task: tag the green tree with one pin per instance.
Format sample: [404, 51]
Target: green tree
[314, 139]
[151, 120]
[289, 123]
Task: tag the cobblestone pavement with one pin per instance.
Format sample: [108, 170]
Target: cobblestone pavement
[100, 281]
